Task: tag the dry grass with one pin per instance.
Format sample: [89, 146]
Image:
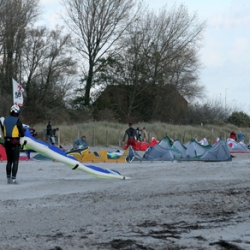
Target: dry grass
[108, 133]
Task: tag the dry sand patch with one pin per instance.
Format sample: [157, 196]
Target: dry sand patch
[166, 205]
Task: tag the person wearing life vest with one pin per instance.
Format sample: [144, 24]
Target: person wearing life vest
[12, 129]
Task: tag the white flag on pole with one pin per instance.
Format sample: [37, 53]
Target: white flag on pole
[17, 93]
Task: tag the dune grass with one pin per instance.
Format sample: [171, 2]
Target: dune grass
[109, 133]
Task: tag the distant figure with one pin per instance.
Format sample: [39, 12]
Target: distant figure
[241, 136]
[233, 136]
[33, 132]
[53, 136]
[80, 143]
[144, 135]
[130, 133]
[49, 128]
[12, 129]
[138, 134]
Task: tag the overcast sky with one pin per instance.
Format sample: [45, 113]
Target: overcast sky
[226, 52]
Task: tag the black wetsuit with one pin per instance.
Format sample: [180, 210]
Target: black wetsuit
[131, 133]
[49, 130]
[12, 130]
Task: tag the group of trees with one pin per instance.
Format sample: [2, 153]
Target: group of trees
[115, 42]
[38, 58]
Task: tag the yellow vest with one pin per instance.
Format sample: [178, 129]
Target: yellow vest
[10, 127]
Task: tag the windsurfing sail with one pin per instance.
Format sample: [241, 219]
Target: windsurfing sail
[56, 153]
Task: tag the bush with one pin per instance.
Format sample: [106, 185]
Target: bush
[239, 119]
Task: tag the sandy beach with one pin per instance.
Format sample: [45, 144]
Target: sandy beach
[166, 205]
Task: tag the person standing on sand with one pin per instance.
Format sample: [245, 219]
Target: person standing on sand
[138, 134]
[144, 135]
[12, 129]
[130, 133]
[53, 136]
[49, 130]
[241, 136]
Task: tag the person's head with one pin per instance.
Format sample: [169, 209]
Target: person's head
[83, 137]
[15, 110]
[144, 128]
[130, 124]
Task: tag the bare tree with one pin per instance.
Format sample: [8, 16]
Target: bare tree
[15, 16]
[175, 37]
[97, 26]
[210, 111]
[48, 70]
[157, 50]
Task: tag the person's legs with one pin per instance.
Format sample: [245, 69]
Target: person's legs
[15, 157]
[53, 140]
[132, 142]
[28, 154]
[8, 149]
[8, 171]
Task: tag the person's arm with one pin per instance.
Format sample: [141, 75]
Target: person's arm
[76, 143]
[52, 132]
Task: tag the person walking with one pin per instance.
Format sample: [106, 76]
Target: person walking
[12, 129]
[130, 134]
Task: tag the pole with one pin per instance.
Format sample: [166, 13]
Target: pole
[226, 99]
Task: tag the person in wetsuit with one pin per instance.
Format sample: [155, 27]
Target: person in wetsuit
[12, 129]
[131, 134]
[49, 130]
